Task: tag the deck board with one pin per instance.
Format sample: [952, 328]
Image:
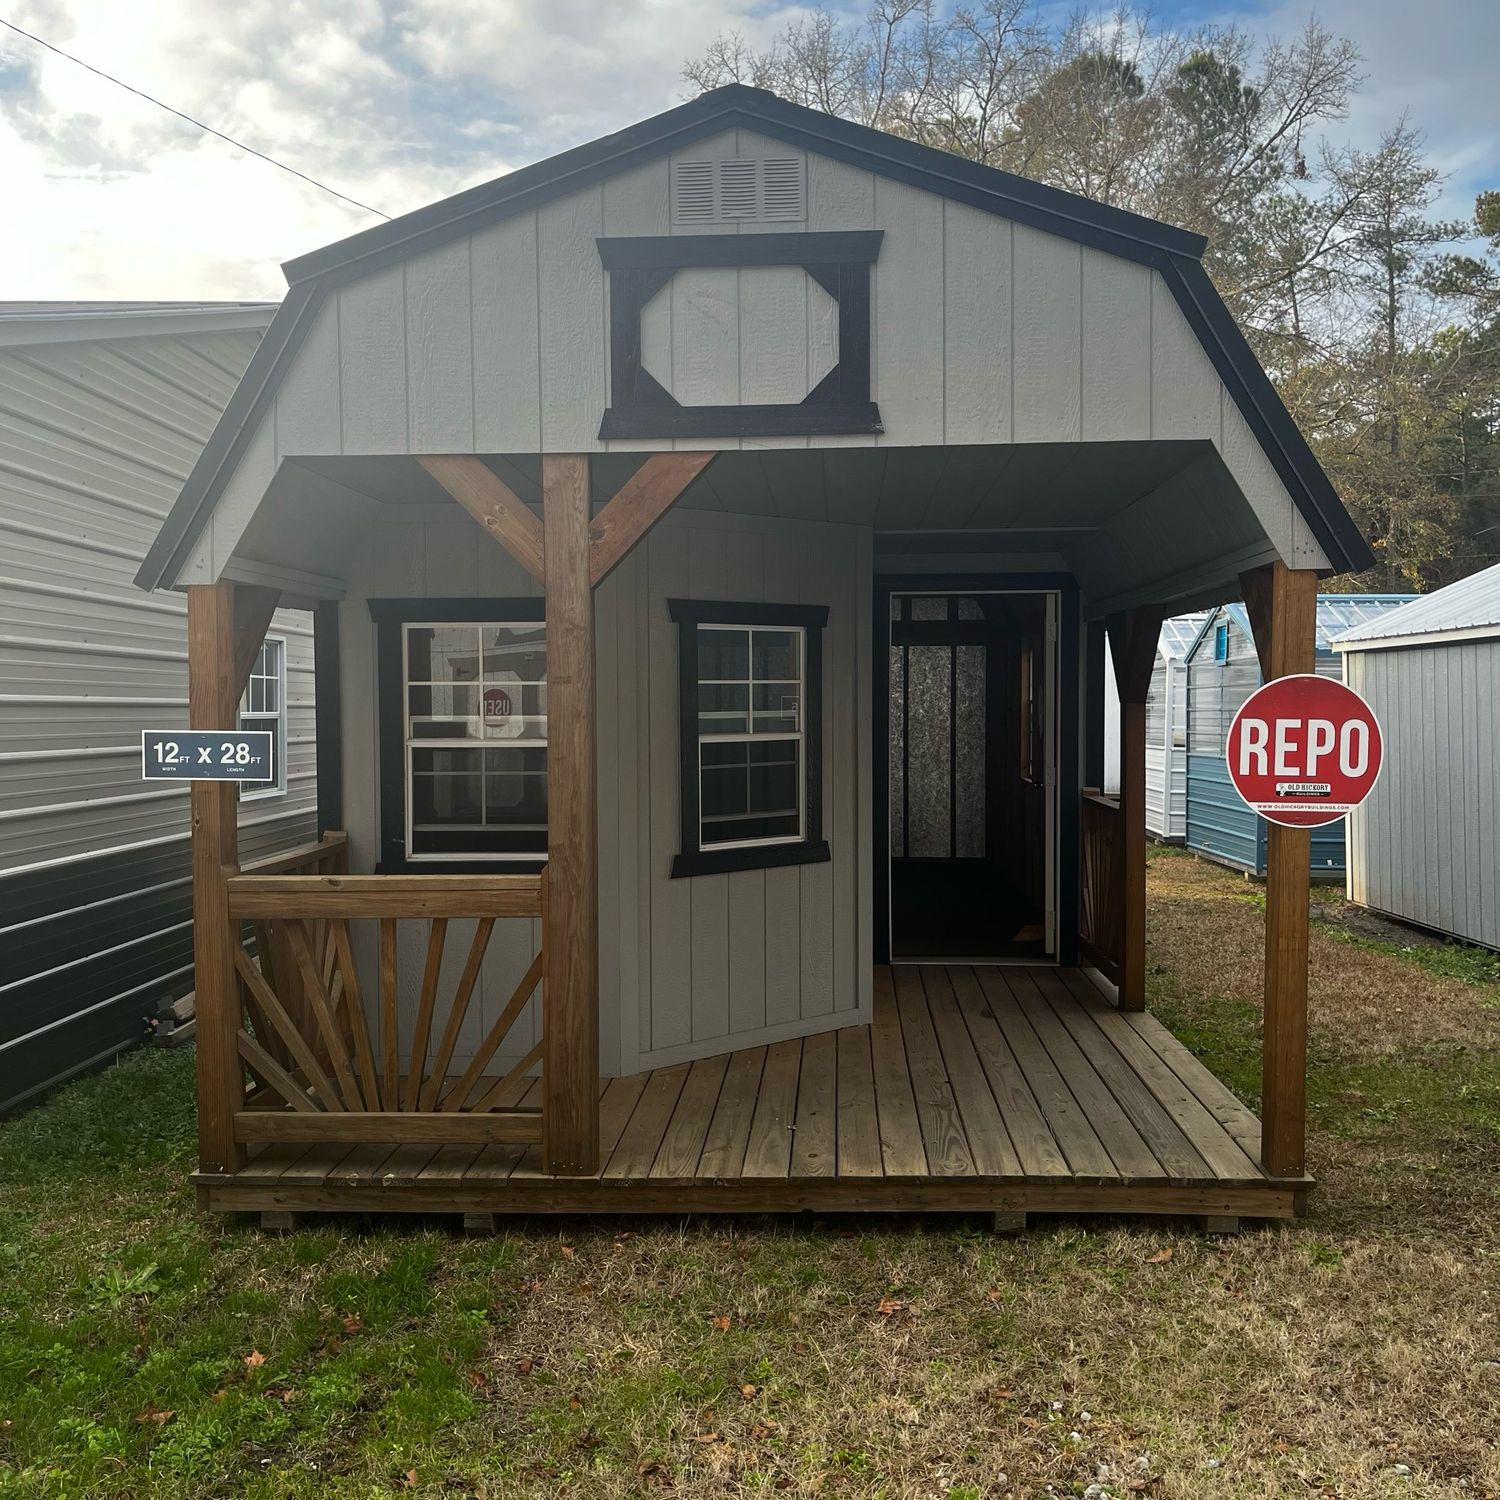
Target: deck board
[729, 1131]
[1129, 1151]
[901, 1149]
[990, 1146]
[948, 1153]
[972, 1087]
[770, 1149]
[858, 1125]
[1070, 1127]
[815, 1137]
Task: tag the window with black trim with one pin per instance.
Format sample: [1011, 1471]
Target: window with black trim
[463, 737]
[750, 707]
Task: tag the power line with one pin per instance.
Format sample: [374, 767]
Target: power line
[160, 104]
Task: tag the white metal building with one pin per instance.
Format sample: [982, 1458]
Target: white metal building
[1425, 847]
[1166, 730]
[104, 409]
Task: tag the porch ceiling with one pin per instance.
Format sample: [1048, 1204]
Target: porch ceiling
[1132, 520]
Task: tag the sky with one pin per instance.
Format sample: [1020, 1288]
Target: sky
[399, 103]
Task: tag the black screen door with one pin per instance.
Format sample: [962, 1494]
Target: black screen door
[967, 789]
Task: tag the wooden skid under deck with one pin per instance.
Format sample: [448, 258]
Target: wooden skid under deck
[994, 1089]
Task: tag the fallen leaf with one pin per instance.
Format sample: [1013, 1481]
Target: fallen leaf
[1001, 1393]
[352, 1323]
[525, 1365]
[800, 1348]
[764, 1430]
[477, 1379]
[255, 1359]
[409, 1480]
[1161, 1257]
[996, 1295]
[747, 1392]
[152, 1414]
[707, 1437]
[890, 1306]
[568, 1252]
[574, 1404]
[722, 1323]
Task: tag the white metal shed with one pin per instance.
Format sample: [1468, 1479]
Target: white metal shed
[1426, 845]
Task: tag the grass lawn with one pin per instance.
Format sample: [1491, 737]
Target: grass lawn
[146, 1352]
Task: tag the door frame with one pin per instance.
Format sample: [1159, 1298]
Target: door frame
[1064, 720]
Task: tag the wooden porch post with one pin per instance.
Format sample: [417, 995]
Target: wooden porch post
[1282, 603]
[571, 976]
[225, 629]
[1133, 635]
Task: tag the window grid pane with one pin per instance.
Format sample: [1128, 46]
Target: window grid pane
[750, 687]
[475, 708]
[261, 708]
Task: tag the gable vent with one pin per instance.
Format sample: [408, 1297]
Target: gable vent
[739, 189]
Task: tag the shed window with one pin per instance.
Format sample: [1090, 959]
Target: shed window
[263, 707]
[464, 732]
[750, 699]
[1221, 643]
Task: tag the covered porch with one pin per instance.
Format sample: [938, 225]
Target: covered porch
[1005, 1090]
[340, 1074]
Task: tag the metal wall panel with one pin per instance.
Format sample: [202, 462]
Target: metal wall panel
[1425, 846]
[95, 932]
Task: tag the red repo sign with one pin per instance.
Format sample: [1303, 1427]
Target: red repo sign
[1304, 751]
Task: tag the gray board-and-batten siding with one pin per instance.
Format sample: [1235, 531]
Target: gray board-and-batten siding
[102, 415]
[985, 333]
[690, 966]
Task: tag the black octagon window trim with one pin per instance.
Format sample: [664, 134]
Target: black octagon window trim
[811, 848]
[639, 266]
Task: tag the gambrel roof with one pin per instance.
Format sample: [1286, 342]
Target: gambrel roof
[1172, 253]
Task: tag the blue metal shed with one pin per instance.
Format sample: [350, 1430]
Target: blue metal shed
[1222, 671]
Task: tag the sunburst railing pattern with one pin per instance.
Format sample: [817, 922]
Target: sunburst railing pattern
[317, 1069]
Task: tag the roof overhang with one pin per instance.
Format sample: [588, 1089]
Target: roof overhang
[1422, 638]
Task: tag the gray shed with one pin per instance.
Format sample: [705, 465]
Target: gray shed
[104, 408]
[1426, 845]
[723, 520]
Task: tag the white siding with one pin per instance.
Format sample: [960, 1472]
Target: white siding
[96, 439]
[1425, 846]
[693, 966]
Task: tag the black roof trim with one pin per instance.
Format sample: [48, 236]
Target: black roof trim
[1173, 252]
[226, 443]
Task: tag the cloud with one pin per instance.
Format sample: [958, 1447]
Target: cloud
[401, 102]
[1434, 63]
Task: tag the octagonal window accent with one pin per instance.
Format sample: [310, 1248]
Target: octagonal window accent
[747, 335]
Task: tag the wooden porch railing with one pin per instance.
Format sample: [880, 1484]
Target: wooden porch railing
[1101, 924]
[318, 1073]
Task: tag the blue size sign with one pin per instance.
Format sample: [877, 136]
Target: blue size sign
[206, 755]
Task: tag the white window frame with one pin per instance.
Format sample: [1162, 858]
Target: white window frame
[409, 745]
[245, 719]
[748, 682]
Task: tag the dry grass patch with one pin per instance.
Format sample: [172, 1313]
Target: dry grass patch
[1206, 936]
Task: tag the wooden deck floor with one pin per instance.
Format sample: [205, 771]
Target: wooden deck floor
[976, 1088]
